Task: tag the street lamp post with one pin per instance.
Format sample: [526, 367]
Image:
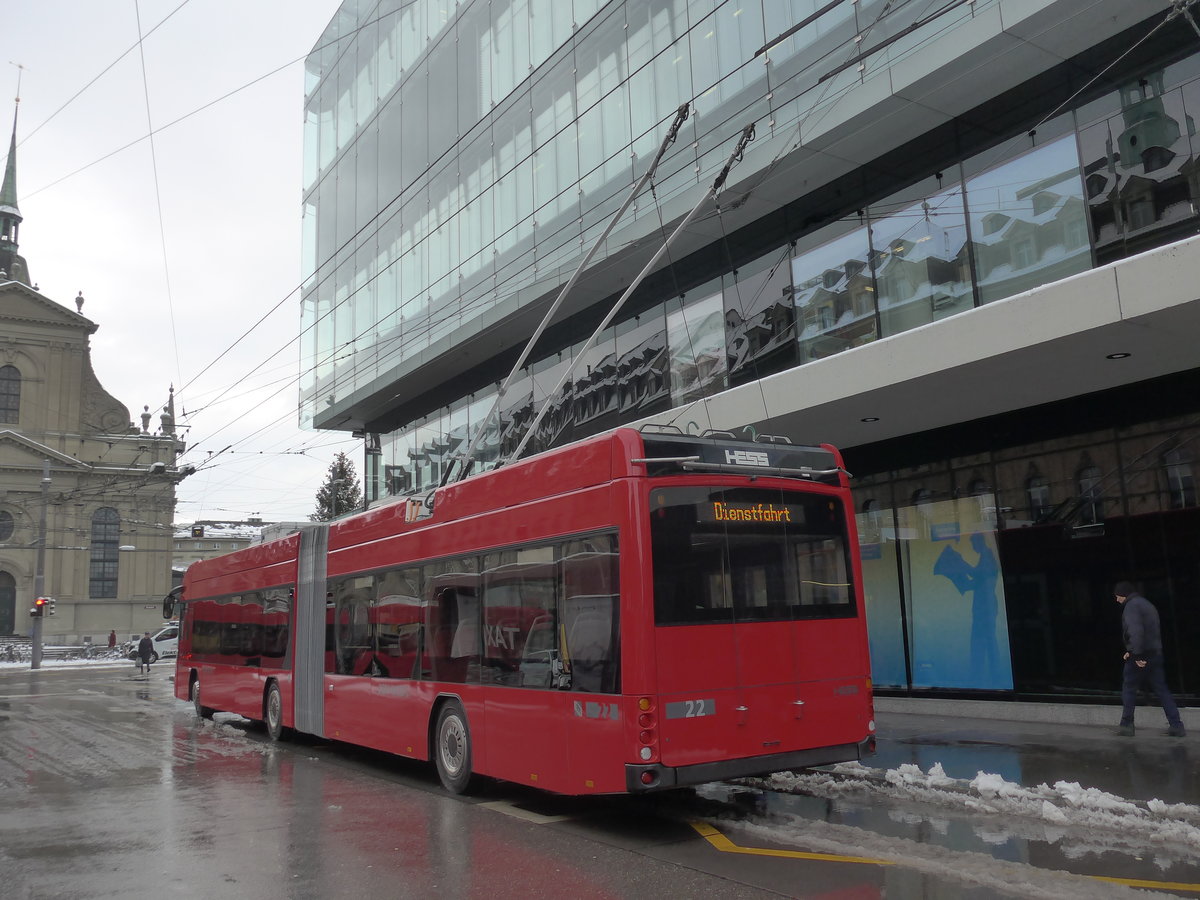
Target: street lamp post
[39, 574]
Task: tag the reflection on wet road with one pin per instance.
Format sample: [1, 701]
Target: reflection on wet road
[115, 789]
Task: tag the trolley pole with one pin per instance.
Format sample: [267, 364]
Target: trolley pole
[39, 575]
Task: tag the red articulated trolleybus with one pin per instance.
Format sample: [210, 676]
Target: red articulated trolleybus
[637, 611]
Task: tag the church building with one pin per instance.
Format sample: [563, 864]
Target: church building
[87, 496]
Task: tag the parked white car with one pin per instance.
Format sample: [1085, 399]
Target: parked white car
[166, 643]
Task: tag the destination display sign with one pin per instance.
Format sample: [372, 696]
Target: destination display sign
[743, 513]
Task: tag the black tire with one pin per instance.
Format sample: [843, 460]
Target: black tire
[204, 712]
[273, 714]
[153, 657]
[452, 748]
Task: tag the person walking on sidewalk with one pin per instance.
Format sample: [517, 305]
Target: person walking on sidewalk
[145, 649]
[1143, 659]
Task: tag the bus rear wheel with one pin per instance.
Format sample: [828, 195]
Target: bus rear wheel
[273, 714]
[204, 712]
[452, 748]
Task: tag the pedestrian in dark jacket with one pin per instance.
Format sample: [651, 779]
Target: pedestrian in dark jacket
[112, 639]
[1143, 659]
[145, 649]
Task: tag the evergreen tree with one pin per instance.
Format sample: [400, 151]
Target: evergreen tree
[341, 492]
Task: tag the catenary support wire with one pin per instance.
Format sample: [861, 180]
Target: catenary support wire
[746, 138]
[681, 115]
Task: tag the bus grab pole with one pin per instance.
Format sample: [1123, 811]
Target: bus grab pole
[746, 138]
[681, 115]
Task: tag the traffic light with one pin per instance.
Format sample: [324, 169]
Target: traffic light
[50, 601]
[39, 608]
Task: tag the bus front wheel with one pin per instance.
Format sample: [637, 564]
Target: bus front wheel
[452, 748]
[204, 712]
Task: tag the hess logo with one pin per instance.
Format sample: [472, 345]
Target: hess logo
[747, 458]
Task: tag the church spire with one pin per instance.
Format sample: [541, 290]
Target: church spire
[10, 215]
[11, 263]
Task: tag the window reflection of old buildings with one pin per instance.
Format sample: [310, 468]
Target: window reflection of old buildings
[1102, 181]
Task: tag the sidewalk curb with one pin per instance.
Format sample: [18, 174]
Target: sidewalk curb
[1148, 715]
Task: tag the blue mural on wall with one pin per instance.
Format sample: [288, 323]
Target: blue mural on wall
[942, 558]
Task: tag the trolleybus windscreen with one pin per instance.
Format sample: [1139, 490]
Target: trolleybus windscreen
[748, 554]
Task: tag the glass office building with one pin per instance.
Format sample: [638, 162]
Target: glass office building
[909, 257]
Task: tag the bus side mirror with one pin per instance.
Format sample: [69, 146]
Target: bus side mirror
[168, 608]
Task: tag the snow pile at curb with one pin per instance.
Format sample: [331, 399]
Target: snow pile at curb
[1066, 804]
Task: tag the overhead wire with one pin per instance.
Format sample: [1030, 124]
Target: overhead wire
[162, 231]
[431, 322]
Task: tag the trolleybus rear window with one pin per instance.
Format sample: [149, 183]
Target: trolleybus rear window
[748, 554]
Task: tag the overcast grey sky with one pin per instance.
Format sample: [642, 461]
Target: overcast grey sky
[171, 294]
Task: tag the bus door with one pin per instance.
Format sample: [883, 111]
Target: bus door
[736, 577]
[349, 661]
[398, 623]
[525, 708]
[589, 658]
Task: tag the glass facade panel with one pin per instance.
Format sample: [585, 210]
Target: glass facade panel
[643, 373]
[834, 296]
[950, 555]
[760, 318]
[1028, 224]
[920, 256]
[696, 342]
[371, 86]
[879, 547]
[1139, 165]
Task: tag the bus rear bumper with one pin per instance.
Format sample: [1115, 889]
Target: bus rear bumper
[643, 778]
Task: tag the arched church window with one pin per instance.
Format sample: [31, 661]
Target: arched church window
[10, 393]
[7, 526]
[106, 534]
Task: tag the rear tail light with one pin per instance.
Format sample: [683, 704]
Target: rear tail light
[648, 736]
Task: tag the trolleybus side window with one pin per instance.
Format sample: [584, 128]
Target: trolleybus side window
[240, 629]
[354, 644]
[452, 620]
[241, 625]
[590, 604]
[276, 615]
[748, 554]
[399, 621]
[519, 605]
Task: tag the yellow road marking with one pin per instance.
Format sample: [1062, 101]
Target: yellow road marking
[725, 845]
[1142, 883]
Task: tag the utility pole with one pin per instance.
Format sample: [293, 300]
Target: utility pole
[39, 575]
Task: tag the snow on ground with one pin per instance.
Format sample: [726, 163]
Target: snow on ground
[1080, 820]
[10, 665]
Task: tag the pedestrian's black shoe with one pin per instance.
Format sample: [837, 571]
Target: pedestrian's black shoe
[1176, 731]
[1126, 731]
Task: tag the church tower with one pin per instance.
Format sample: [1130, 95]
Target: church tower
[11, 262]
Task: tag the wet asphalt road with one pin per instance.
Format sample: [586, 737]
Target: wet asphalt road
[109, 787]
